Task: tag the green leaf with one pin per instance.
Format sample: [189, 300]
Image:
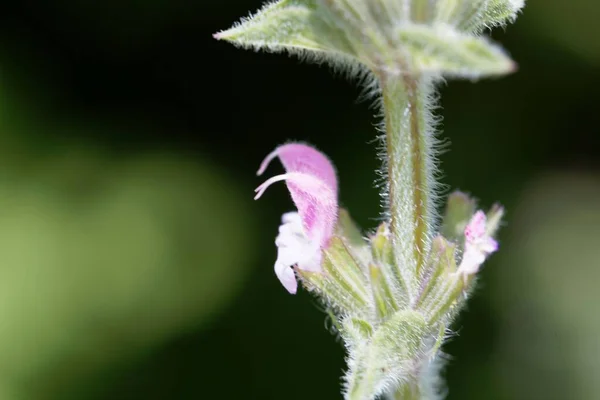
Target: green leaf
[491, 13]
[288, 25]
[441, 49]
[477, 15]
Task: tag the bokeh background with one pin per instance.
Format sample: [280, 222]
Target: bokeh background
[134, 263]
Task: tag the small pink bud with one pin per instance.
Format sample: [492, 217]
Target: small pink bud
[311, 180]
[478, 244]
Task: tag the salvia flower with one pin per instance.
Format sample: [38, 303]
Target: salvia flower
[392, 294]
[311, 179]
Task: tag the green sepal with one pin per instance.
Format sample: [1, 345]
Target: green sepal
[383, 293]
[448, 300]
[494, 219]
[381, 245]
[356, 331]
[441, 264]
[387, 272]
[339, 260]
[332, 295]
[342, 281]
[349, 231]
[388, 357]
[459, 210]
[439, 340]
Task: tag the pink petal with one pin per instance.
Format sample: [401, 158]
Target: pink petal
[478, 244]
[475, 229]
[311, 180]
[297, 157]
[489, 245]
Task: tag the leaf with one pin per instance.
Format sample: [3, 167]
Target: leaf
[476, 15]
[492, 13]
[292, 25]
[441, 49]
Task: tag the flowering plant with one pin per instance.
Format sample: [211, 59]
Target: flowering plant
[394, 291]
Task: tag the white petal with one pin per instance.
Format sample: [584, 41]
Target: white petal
[295, 249]
[471, 261]
[286, 277]
[292, 217]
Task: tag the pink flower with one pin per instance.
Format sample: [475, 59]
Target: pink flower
[311, 179]
[478, 244]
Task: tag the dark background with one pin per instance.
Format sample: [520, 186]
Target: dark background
[134, 263]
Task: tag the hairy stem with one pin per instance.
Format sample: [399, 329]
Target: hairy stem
[410, 150]
[406, 392]
[420, 10]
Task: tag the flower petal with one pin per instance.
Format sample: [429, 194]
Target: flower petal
[471, 261]
[311, 180]
[294, 249]
[488, 245]
[475, 229]
[287, 277]
[297, 157]
[478, 244]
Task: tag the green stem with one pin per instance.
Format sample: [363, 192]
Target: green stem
[420, 10]
[406, 392]
[410, 154]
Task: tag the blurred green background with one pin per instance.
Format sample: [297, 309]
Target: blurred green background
[134, 263]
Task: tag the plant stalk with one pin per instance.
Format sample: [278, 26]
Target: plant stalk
[410, 147]
[406, 392]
